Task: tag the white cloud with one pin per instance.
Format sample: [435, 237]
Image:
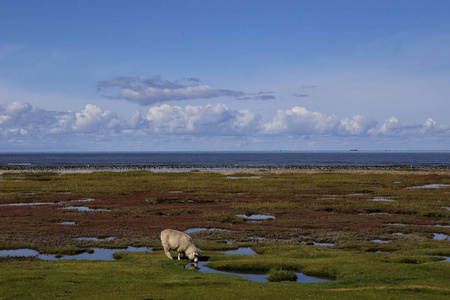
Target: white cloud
[22, 124]
[22, 117]
[298, 120]
[93, 119]
[393, 128]
[358, 125]
[211, 119]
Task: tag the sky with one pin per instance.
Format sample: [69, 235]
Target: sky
[256, 75]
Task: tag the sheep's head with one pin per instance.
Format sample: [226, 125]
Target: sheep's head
[193, 256]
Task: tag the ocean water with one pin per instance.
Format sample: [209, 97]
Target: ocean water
[415, 159]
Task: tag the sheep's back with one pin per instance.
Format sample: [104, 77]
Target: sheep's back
[175, 238]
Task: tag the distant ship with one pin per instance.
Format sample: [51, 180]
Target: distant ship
[354, 150]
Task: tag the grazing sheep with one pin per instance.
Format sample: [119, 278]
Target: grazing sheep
[179, 241]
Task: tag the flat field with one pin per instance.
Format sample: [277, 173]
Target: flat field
[375, 233]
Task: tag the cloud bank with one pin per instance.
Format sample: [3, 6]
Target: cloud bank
[147, 91]
[24, 125]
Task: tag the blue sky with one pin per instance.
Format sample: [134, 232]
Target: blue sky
[148, 75]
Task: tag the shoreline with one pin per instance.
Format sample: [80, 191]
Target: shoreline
[221, 168]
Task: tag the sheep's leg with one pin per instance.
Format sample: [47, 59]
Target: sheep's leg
[167, 252]
[179, 255]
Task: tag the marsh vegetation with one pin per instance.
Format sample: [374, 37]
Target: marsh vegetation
[333, 224]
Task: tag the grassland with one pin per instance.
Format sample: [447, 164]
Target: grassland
[382, 230]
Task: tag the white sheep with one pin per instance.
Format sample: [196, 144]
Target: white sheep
[179, 241]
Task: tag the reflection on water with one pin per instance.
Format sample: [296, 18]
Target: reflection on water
[84, 208]
[381, 241]
[258, 238]
[83, 200]
[68, 223]
[318, 244]
[440, 236]
[246, 177]
[428, 186]
[29, 204]
[241, 251]
[50, 203]
[381, 199]
[324, 244]
[95, 239]
[94, 254]
[250, 276]
[256, 217]
[437, 225]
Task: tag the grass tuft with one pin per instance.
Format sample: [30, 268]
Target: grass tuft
[277, 275]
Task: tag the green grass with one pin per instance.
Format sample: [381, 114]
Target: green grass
[277, 275]
[152, 275]
[328, 206]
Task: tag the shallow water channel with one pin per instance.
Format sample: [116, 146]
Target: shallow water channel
[93, 254]
[255, 277]
[250, 276]
[428, 186]
[256, 217]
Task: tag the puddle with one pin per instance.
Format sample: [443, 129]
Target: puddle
[258, 238]
[319, 244]
[324, 244]
[381, 241]
[446, 207]
[398, 224]
[252, 277]
[83, 200]
[428, 186]
[397, 233]
[375, 214]
[84, 208]
[193, 230]
[18, 252]
[68, 223]
[95, 239]
[447, 259]
[230, 242]
[96, 254]
[381, 199]
[247, 177]
[256, 217]
[175, 192]
[357, 194]
[440, 237]
[241, 251]
[29, 204]
[327, 197]
[45, 203]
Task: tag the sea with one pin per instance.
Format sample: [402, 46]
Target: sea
[228, 160]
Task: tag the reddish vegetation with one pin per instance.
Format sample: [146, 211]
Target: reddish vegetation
[137, 217]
